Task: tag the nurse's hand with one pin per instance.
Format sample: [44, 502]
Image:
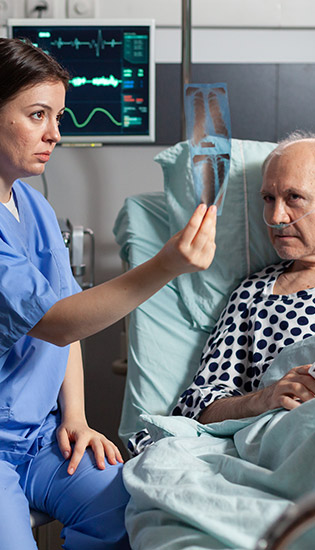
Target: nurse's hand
[192, 248]
[73, 439]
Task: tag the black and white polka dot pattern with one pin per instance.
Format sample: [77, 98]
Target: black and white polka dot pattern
[252, 330]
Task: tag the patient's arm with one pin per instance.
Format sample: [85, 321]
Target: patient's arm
[88, 312]
[296, 387]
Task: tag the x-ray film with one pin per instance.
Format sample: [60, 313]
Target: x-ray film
[208, 128]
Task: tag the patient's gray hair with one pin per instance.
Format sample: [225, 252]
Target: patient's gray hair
[297, 135]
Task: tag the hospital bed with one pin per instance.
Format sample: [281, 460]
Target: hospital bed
[167, 333]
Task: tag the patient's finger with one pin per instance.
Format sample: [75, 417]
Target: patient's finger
[306, 393]
[302, 369]
[308, 381]
[303, 377]
[298, 390]
[290, 403]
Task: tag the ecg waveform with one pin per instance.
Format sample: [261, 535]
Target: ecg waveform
[99, 44]
[78, 81]
[92, 113]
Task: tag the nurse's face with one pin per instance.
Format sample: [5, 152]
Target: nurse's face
[29, 130]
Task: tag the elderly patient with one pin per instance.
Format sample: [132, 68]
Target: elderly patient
[268, 311]
[216, 484]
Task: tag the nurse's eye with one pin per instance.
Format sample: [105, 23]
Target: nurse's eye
[59, 117]
[38, 115]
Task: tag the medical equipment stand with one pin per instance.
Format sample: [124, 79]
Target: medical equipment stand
[186, 58]
[120, 365]
[75, 239]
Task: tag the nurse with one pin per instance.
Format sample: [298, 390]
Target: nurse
[50, 459]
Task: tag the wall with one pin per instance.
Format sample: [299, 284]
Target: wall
[89, 185]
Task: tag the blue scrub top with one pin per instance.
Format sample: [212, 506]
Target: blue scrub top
[35, 273]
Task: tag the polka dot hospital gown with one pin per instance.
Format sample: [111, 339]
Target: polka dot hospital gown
[252, 329]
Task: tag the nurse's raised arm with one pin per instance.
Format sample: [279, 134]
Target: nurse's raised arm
[91, 311]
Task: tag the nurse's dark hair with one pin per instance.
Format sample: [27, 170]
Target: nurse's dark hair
[23, 65]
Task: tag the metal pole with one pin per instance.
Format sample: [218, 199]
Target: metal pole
[186, 57]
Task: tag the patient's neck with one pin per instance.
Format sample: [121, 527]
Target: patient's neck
[300, 275]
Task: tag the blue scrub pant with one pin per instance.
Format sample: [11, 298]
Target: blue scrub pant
[90, 503]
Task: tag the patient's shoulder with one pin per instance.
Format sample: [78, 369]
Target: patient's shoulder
[258, 280]
[268, 272]
[250, 289]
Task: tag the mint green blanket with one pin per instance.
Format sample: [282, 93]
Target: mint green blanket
[219, 486]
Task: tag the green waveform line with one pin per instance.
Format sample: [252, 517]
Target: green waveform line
[92, 113]
[78, 81]
[99, 44]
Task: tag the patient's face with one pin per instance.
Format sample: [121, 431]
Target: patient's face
[289, 192]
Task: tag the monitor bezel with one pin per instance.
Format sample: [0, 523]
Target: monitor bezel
[83, 22]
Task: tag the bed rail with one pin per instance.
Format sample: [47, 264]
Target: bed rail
[294, 521]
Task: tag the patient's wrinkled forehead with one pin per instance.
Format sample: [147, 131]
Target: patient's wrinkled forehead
[292, 164]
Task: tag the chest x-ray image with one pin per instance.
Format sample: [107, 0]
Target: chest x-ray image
[208, 129]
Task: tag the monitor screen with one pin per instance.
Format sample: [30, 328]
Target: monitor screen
[111, 96]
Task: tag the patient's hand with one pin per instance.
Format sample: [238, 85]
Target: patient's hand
[193, 248]
[296, 387]
[82, 436]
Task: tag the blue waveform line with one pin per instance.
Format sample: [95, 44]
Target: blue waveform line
[99, 44]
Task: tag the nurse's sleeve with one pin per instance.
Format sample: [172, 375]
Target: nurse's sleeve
[25, 296]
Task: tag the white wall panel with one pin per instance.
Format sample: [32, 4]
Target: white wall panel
[168, 45]
[253, 46]
[217, 13]
[165, 12]
[236, 13]
[239, 45]
[205, 13]
[299, 13]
